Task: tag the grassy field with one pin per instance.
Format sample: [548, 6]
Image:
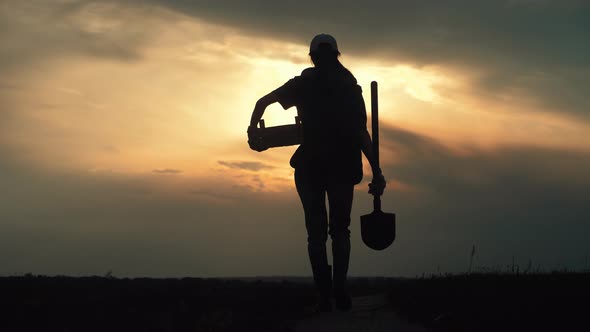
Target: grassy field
[477, 302]
[110, 304]
[496, 302]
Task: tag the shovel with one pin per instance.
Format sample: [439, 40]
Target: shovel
[378, 227]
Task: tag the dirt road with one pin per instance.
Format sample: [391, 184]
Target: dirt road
[369, 314]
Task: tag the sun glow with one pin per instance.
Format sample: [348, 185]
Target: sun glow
[184, 103]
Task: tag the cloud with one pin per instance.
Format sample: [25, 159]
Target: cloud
[512, 200]
[166, 171]
[520, 200]
[528, 55]
[88, 223]
[254, 166]
[531, 51]
[524, 201]
[427, 163]
[40, 31]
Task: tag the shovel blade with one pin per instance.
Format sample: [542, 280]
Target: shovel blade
[378, 229]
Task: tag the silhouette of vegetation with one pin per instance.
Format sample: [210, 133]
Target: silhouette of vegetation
[37, 303]
[554, 301]
[468, 302]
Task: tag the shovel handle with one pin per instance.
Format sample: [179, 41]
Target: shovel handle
[375, 121]
[375, 138]
[377, 203]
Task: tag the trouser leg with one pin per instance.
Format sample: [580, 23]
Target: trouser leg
[312, 195]
[340, 198]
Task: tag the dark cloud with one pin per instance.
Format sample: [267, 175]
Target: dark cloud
[167, 171]
[40, 31]
[254, 166]
[532, 51]
[426, 163]
[528, 49]
[523, 201]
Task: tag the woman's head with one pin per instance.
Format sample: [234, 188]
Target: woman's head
[323, 50]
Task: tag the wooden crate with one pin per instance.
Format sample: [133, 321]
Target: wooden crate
[277, 136]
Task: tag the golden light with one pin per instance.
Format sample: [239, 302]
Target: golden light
[185, 103]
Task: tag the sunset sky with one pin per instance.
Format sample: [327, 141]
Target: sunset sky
[123, 134]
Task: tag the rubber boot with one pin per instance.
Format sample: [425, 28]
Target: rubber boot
[341, 256]
[323, 281]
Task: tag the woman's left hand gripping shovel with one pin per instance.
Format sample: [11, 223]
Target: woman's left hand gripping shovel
[378, 227]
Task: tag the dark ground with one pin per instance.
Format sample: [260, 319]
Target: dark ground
[491, 302]
[496, 302]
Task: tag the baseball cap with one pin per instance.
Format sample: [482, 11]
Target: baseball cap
[322, 39]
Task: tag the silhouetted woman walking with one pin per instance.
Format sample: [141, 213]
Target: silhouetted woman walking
[332, 110]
